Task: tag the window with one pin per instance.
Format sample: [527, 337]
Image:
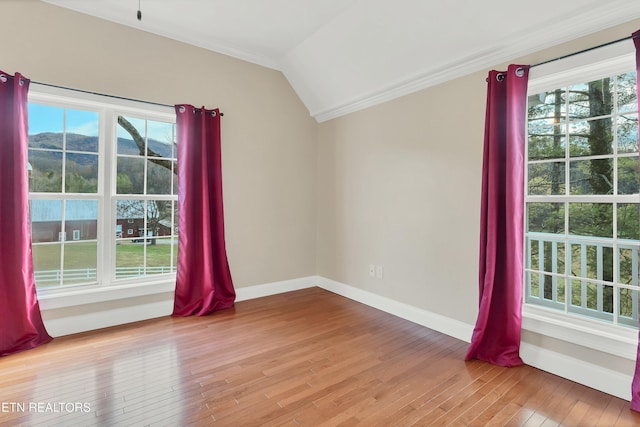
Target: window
[582, 201]
[95, 166]
[146, 196]
[63, 154]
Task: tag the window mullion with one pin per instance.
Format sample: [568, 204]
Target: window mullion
[106, 245]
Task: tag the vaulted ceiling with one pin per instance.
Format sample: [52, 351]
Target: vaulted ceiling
[344, 55]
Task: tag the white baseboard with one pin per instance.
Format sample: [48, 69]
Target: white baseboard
[64, 320]
[437, 322]
[258, 291]
[82, 318]
[582, 372]
[72, 313]
[562, 365]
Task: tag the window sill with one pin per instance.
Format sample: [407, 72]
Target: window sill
[81, 296]
[616, 340]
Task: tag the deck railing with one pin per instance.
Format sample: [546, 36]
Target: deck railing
[592, 276]
[49, 278]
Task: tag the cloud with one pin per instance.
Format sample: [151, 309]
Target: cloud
[87, 128]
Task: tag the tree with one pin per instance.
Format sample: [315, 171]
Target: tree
[586, 111]
[154, 211]
[158, 182]
[140, 143]
[601, 174]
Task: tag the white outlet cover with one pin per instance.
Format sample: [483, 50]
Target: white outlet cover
[379, 272]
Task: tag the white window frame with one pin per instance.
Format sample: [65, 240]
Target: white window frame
[108, 289]
[612, 339]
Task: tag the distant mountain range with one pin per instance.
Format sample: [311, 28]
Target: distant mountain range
[84, 143]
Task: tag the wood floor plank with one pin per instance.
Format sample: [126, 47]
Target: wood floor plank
[303, 358]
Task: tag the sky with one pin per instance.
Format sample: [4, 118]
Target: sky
[46, 118]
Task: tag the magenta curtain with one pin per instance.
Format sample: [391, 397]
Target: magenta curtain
[21, 326]
[496, 336]
[203, 282]
[635, 385]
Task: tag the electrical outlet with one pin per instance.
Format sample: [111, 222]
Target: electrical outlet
[379, 272]
[372, 270]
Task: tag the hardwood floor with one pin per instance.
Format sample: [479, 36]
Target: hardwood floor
[305, 358]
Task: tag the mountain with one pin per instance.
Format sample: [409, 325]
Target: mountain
[84, 143]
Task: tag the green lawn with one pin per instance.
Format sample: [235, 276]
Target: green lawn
[132, 255]
[84, 255]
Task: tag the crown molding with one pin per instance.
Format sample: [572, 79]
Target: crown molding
[162, 31]
[224, 49]
[597, 19]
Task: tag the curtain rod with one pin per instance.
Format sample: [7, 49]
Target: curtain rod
[582, 51]
[107, 95]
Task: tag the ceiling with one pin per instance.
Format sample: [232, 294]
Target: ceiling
[341, 56]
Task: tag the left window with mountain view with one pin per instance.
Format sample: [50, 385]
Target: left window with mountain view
[64, 179]
[102, 192]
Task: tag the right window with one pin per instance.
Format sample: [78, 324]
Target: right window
[582, 199]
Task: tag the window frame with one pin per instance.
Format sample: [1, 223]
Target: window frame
[618, 340]
[106, 288]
